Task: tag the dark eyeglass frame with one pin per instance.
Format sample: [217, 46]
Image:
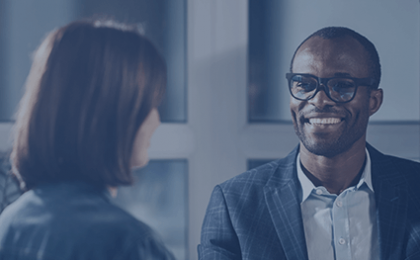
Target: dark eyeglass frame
[368, 82]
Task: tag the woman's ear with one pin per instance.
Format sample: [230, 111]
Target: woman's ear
[375, 100]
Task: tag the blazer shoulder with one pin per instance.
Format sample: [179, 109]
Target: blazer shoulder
[407, 168]
[258, 177]
[396, 170]
[405, 163]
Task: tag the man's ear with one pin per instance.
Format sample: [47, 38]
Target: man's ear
[375, 100]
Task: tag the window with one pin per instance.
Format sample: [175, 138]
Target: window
[276, 28]
[159, 197]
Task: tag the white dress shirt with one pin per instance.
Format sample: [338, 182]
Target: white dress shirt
[340, 227]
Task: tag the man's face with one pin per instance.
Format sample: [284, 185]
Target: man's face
[324, 127]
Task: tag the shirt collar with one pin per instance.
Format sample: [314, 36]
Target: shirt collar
[308, 186]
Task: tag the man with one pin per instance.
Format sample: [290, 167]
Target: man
[334, 196]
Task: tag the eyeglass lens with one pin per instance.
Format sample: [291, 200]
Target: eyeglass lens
[340, 89]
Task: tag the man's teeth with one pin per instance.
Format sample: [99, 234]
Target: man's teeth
[324, 121]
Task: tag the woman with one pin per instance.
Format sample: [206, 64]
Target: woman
[85, 120]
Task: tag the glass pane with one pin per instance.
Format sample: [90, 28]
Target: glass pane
[159, 197]
[23, 24]
[163, 21]
[254, 163]
[265, 77]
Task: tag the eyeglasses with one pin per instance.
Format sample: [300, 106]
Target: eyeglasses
[338, 89]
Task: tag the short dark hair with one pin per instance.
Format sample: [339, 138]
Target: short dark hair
[91, 86]
[341, 32]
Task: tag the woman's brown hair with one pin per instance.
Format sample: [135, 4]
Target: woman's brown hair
[90, 87]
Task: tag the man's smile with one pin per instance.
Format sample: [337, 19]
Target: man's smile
[324, 121]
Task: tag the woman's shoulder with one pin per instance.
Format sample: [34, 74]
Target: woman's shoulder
[115, 227]
[85, 221]
[73, 209]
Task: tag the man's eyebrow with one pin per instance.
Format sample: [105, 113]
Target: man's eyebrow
[341, 74]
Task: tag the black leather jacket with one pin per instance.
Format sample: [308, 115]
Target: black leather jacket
[76, 221]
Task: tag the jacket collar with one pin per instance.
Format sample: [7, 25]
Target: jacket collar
[282, 195]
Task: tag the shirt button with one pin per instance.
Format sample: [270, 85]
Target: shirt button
[341, 241]
[339, 203]
[319, 192]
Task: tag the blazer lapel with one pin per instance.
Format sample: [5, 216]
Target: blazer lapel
[391, 205]
[281, 196]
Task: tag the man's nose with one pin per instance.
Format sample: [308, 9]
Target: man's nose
[320, 100]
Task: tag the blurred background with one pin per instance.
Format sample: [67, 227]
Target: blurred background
[226, 107]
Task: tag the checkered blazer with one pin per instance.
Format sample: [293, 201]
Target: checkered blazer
[256, 215]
